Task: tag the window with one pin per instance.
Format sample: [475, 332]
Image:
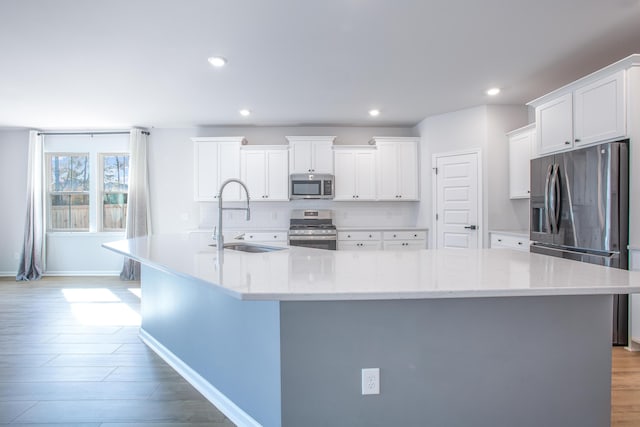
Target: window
[68, 191]
[115, 186]
[87, 182]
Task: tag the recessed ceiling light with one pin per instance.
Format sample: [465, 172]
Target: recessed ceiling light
[217, 61]
[374, 113]
[493, 91]
[245, 112]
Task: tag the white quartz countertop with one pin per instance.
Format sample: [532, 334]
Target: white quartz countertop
[297, 274]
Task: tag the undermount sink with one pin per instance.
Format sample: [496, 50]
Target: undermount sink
[245, 247]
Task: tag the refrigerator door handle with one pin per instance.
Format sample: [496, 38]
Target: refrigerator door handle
[547, 206]
[589, 253]
[555, 189]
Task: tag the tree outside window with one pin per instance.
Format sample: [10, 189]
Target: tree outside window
[115, 186]
[68, 180]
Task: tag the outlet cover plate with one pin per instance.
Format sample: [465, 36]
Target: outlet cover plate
[371, 381]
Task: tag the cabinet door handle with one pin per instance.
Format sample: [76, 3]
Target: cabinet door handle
[567, 143]
[577, 140]
[499, 240]
[519, 243]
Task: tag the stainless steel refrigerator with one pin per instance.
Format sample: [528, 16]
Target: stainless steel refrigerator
[580, 211]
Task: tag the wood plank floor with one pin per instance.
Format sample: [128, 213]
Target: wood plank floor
[625, 388]
[70, 356]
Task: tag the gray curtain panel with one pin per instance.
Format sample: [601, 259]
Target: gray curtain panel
[32, 258]
[138, 212]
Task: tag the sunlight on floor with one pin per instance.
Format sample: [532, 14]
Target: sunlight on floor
[136, 291]
[90, 295]
[105, 314]
[100, 307]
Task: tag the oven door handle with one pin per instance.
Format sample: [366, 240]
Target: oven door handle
[295, 238]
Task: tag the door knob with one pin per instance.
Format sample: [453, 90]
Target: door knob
[471, 227]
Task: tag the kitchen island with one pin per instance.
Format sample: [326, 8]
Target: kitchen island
[461, 337]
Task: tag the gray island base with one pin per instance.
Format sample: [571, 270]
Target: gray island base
[484, 361]
[461, 338]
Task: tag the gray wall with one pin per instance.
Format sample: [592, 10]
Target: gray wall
[500, 362]
[14, 152]
[481, 128]
[232, 344]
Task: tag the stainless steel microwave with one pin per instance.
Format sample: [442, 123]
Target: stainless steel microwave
[310, 186]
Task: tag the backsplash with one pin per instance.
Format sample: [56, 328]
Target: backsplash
[265, 215]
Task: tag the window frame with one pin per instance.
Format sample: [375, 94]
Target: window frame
[49, 192]
[70, 143]
[102, 192]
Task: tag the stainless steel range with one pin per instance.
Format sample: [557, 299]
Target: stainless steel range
[313, 228]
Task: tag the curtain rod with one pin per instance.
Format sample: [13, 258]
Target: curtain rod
[91, 133]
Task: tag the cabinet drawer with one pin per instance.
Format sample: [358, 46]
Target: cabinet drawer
[262, 236]
[398, 245]
[511, 242]
[359, 245]
[405, 235]
[359, 235]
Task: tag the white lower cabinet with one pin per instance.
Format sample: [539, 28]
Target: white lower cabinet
[510, 241]
[404, 240]
[266, 236]
[382, 240]
[359, 240]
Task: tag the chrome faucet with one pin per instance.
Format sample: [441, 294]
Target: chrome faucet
[218, 231]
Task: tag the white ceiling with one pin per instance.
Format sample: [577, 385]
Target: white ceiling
[117, 63]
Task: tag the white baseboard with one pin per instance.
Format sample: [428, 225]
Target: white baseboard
[212, 394]
[8, 273]
[81, 273]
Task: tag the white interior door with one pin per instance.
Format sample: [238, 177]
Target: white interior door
[457, 185]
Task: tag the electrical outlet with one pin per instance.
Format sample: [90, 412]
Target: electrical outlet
[371, 381]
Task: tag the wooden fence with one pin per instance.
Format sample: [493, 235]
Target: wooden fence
[76, 217]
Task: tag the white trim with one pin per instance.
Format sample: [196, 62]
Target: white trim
[81, 273]
[212, 394]
[8, 273]
[434, 195]
[240, 139]
[623, 64]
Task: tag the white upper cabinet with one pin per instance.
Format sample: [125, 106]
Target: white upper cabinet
[600, 110]
[355, 173]
[311, 154]
[554, 121]
[216, 160]
[588, 111]
[397, 171]
[265, 172]
[521, 146]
